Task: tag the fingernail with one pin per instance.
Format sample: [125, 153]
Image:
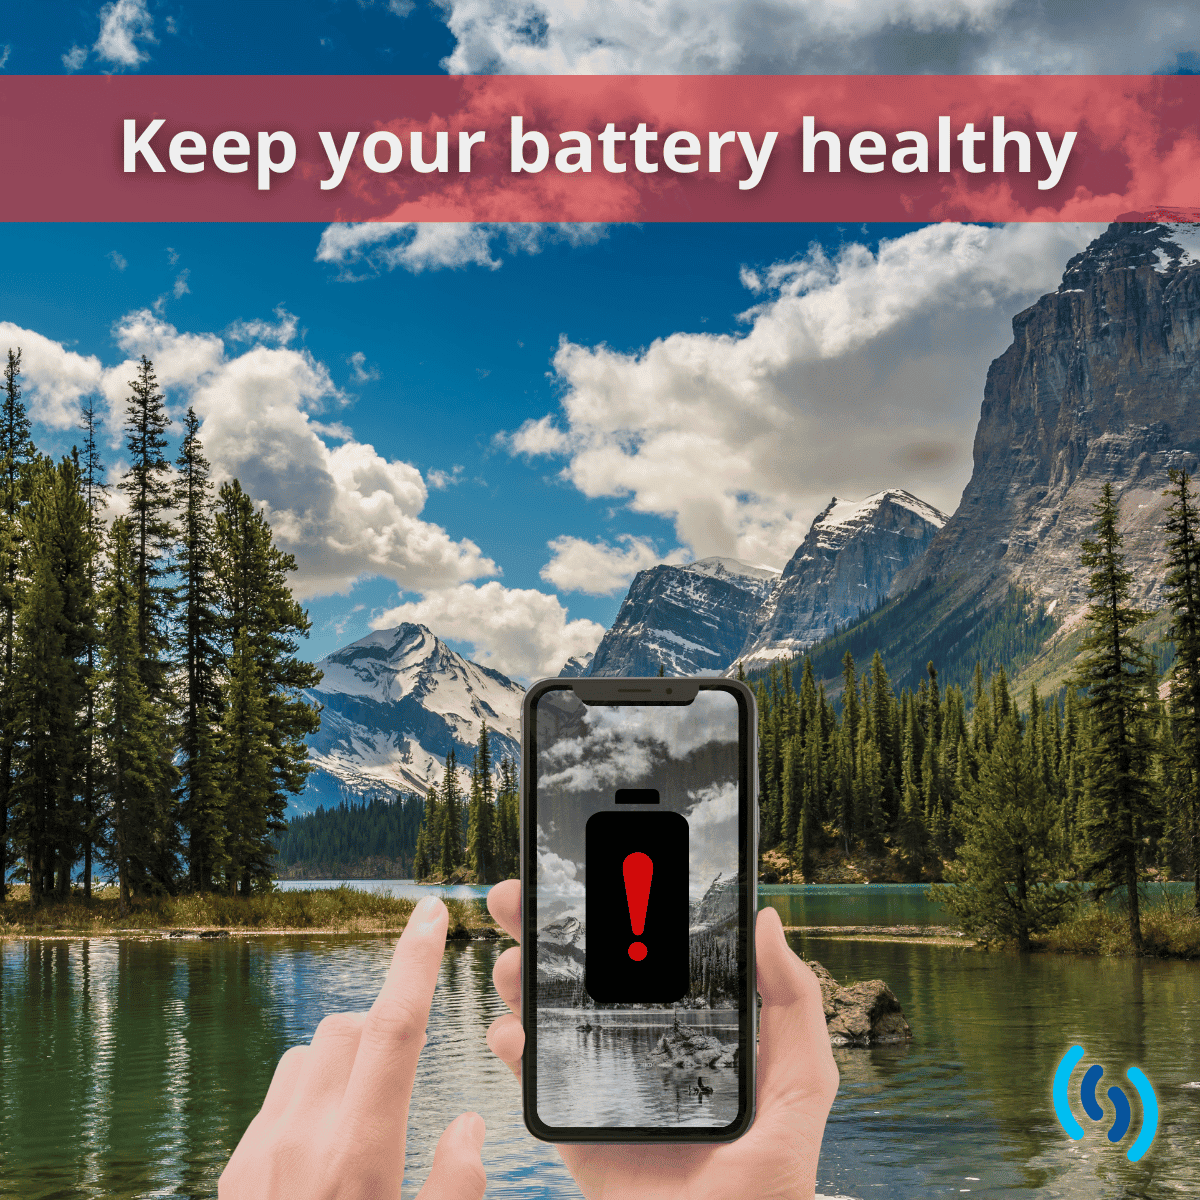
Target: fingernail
[428, 912]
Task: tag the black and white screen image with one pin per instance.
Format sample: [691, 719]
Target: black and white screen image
[639, 988]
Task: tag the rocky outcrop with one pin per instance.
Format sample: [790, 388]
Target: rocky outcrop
[845, 566]
[863, 1014]
[576, 665]
[690, 1048]
[690, 620]
[1101, 384]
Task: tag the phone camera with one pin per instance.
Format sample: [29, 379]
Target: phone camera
[668, 691]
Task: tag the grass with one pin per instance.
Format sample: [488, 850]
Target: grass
[1170, 929]
[319, 910]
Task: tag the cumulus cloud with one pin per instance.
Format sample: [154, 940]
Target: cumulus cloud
[280, 332]
[74, 58]
[375, 246]
[612, 37]
[345, 511]
[521, 632]
[855, 372]
[123, 24]
[364, 372]
[600, 569]
[118, 260]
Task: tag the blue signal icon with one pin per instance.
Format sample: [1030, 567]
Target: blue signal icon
[1091, 1106]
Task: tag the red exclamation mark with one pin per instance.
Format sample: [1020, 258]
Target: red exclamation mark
[638, 871]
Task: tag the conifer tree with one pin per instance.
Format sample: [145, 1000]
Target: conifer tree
[481, 826]
[16, 452]
[259, 615]
[130, 726]
[508, 821]
[1115, 672]
[201, 804]
[1007, 870]
[1182, 593]
[53, 626]
[148, 485]
[450, 850]
[95, 494]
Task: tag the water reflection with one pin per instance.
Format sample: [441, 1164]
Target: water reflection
[130, 1068]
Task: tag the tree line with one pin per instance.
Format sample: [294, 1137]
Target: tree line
[151, 721]
[1098, 783]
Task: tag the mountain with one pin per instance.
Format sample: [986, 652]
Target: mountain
[845, 566]
[576, 665]
[717, 908]
[560, 951]
[395, 702]
[691, 620]
[1101, 384]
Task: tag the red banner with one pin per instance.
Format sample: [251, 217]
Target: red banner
[599, 148]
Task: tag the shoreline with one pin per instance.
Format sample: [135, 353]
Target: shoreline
[921, 935]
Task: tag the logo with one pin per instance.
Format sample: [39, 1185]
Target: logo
[1091, 1106]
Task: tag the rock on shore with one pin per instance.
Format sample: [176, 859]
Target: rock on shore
[863, 1014]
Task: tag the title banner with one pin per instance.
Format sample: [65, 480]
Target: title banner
[599, 148]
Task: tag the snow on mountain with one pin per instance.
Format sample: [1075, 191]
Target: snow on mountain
[394, 703]
[846, 564]
[576, 665]
[690, 619]
[560, 950]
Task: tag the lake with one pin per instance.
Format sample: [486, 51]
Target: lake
[129, 1067]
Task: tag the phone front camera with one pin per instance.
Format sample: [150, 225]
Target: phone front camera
[668, 691]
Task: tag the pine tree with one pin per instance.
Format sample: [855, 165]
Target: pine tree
[53, 626]
[148, 485]
[95, 494]
[259, 614]
[1182, 594]
[1115, 672]
[1005, 877]
[130, 726]
[481, 829]
[16, 452]
[450, 849]
[201, 804]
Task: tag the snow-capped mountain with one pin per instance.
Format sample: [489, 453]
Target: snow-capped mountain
[716, 908]
[560, 951]
[691, 620]
[845, 566]
[576, 665]
[394, 703]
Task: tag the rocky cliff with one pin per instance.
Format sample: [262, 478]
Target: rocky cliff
[691, 620]
[845, 566]
[1101, 384]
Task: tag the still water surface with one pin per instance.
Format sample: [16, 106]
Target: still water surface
[128, 1068]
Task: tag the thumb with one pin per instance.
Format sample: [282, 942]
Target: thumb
[458, 1172]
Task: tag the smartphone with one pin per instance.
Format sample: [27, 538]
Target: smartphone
[638, 870]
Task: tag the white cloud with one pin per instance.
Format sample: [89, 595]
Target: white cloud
[817, 37]
[118, 260]
[5, 51]
[281, 332]
[74, 58]
[855, 373]
[599, 569]
[363, 373]
[401, 8]
[343, 510]
[521, 632]
[123, 23]
[180, 287]
[432, 246]
[440, 480]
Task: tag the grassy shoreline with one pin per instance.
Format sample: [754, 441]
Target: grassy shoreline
[315, 910]
[1170, 929]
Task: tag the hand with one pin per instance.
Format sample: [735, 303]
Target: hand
[332, 1125]
[797, 1080]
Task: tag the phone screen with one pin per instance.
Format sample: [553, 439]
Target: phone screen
[636, 833]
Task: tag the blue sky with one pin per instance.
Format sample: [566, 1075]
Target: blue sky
[492, 428]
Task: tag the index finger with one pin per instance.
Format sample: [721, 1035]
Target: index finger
[504, 903]
[380, 1084]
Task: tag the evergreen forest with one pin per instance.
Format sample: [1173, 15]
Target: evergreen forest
[151, 718]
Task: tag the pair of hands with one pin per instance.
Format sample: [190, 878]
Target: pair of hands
[332, 1126]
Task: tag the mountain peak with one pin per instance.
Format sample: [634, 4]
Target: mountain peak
[395, 703]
